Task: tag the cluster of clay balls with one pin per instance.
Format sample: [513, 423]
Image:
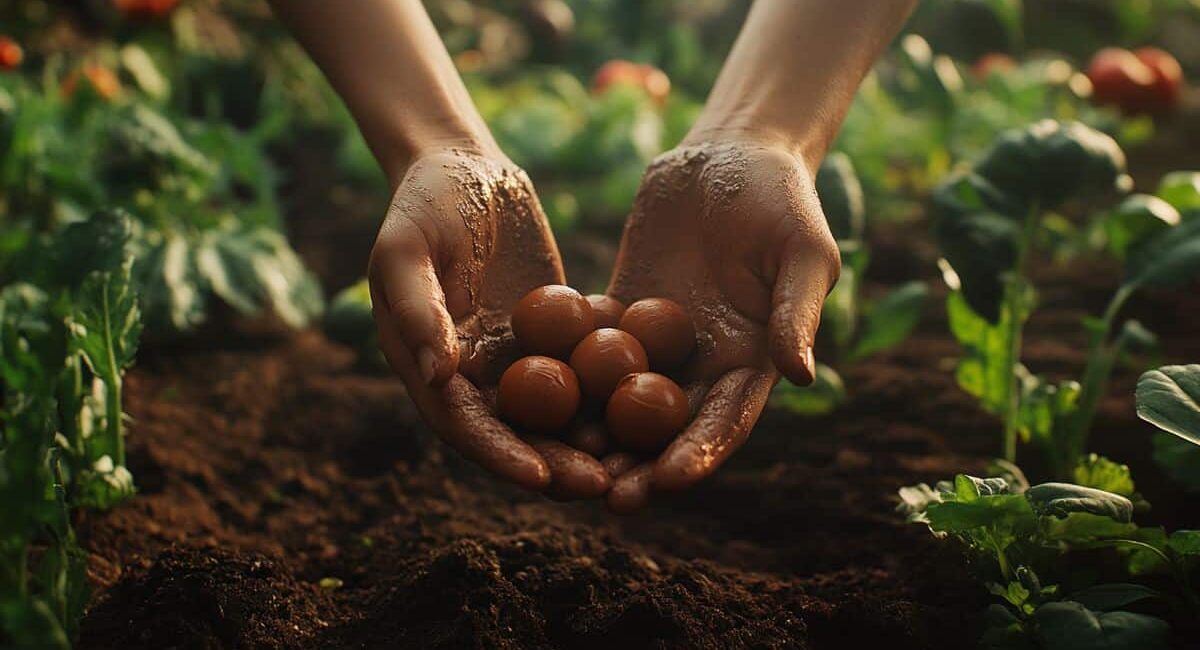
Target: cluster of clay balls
[593, 355]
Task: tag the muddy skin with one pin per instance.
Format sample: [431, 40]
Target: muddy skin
[468, 231]
[733, 232]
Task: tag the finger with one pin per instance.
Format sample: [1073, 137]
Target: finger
[461, 418]
[573, 474]
[590, 438]
[618, 463]
[631, 491]
[804, 279]
[724, 422]
[411, 302]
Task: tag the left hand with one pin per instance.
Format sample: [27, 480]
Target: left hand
[732, 230]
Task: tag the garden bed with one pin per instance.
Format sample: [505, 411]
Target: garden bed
[289, 499]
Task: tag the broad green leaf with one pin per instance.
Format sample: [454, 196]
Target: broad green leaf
[1181, 190]
[1169, 398]
[1068, 625]
[958, 517]
[1004, 631]
[1050, 162]
[841, 196]
[1083, 527]
[1062, 499]
[1103, 474]
[1114, 596]
[986, 369]
[1043, 406]
[971, 488]
[1170, 259]
[167, 277]
[890, 320]
[1179, 459]
[824, 395]
[96, 244]
[1136, 219]
[109, 321]
[1142, 561]
[977, 228]
[1185, 542]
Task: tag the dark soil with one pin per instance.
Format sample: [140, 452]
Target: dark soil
[269, 465]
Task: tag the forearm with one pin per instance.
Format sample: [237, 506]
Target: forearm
[795, 68]
[387, 62]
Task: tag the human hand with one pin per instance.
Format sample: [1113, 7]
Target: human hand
[464, 239]
[732, 230]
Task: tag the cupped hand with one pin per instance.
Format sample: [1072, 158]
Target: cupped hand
[464, 239]
[732, 230]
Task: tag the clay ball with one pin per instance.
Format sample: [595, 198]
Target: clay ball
[551, 320]
[538, 395]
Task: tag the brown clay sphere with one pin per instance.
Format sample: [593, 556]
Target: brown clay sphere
[551, 320]
[646, 411]
[608, 310]
[664, 329]
[538, 394]
[603, 357]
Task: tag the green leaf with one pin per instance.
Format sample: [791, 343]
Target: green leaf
[97, 244]
[1179, 459]
[977, 228]
[841, 196]
[109, 322]
[1068, 625]
[1114, 596]
[1004, 631]
[890, 320]
[105, 485]
[985, 371]
[1181, 190]
[1050, 162]
[824, 395]
[958, 517]
[1169, 398]
[1081, 527]
[1062, 499]
[1136, 219]
[1185, 542]
[1103, 474]
[1170, 259]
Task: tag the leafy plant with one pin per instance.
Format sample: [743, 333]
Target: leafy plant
[69, 327]
[1024, 535]
[206, 219]
[1169, 398]
[988, 222]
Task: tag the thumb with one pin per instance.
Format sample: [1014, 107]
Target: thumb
[411, 306]
[807, 272]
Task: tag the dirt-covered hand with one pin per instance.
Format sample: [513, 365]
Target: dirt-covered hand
[464, 239]
[733, 231]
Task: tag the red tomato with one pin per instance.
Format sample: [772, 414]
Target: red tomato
[101, 79]
[1164, 92]
[650, 79]
[145, 9]
[11, 54]
[991, 63]
[1121, 79]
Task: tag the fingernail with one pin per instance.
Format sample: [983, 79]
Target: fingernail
[427, 363]
[810, 364]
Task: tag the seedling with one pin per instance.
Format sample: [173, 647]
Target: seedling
[988, 222]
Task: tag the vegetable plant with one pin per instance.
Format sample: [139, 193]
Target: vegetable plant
[989, 222]
[69, 327]
[202, 197]
[1024, 538]
[1169, 398]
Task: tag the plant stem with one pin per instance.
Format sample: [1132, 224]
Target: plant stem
[112, 389]
[1014, 309]
[1101, 357]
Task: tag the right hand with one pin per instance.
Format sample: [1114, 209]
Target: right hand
[465, 238]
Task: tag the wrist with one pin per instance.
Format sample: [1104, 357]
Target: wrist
[747, 131]
[422, 139]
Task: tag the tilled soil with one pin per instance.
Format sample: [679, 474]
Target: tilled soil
[290, 499]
